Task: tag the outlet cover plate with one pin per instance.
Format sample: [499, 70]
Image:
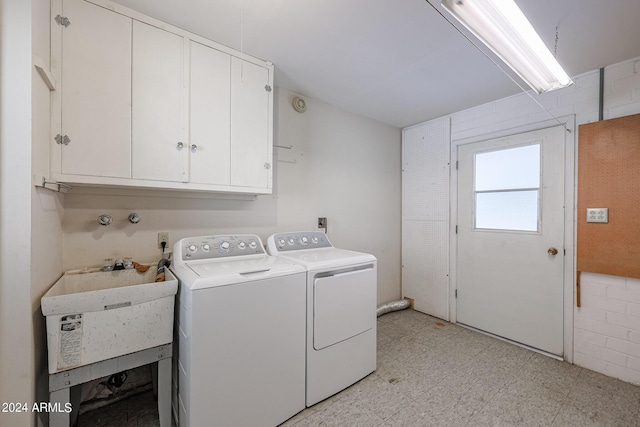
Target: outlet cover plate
[598, 215]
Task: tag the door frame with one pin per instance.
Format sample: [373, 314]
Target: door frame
[569, 218]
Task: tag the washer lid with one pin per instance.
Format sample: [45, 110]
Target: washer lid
[324, 258]
[220, 272]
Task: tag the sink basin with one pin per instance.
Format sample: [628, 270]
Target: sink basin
[97, 316]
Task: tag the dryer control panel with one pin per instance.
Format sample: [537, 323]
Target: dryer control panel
[295, 241]
[211, 247]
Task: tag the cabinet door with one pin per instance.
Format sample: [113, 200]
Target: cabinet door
[209, 119]
[250, 114]
[157, 83]
[96, 91]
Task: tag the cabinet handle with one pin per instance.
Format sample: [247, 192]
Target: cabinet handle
[179, 145]
[194, 148]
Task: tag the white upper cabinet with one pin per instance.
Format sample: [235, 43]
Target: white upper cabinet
[157, 92]
[96, 92]
[250, 149]
[210, 118]
[144, 104]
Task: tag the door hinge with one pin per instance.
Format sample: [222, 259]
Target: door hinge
[63, 20]
[267, 88]
[456, 165]
[62, 139]
[456, 229]
[456, 293]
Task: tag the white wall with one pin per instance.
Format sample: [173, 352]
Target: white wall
[597, 344]
[607, 326]
[342, 166]
[46, 206]
[16, 336]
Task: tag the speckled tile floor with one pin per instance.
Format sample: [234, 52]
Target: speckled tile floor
[432, 373]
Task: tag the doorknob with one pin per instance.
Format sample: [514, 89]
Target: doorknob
[552, 251]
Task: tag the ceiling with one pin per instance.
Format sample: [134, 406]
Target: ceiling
[397, 61]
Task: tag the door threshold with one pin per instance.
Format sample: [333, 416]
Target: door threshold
[536, 350]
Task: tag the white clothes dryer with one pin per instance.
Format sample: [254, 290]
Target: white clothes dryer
[241, 333]
[341, 310]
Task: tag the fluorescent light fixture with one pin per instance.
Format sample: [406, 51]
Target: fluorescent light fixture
[501, 25]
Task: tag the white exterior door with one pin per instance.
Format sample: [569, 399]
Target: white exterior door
[510, 260]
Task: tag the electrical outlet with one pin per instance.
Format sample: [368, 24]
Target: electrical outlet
[163, 236]
[598, 215]
[322, 222]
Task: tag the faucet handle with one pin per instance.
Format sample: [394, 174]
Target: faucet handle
[134, 218]
[105, 219]
[108, 264]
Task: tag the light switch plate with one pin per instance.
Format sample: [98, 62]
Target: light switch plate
[598, 215]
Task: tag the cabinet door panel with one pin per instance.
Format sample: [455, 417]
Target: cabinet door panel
[209, 124]
[157, 104]
[96, 91]
[249, 125]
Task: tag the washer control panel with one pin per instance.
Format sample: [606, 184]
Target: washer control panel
[295, 241]
[210, 247]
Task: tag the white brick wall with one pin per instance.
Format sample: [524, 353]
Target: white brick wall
[607, 327]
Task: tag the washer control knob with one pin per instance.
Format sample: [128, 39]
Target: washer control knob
[192, 248]
[206, 247]
[224, 246]
[282, 242]
[242, 245]
[290, 241]
[304, 240]
[253, 244]
[314, 239]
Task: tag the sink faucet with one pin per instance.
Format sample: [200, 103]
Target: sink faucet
[119, 264]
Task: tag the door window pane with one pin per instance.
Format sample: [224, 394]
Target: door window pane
[508, 169]
[507, 210]
[507, 187]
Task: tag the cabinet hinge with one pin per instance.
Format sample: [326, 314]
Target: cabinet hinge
[63, 20]
[267, 165]
[62, 139]
[267, 88]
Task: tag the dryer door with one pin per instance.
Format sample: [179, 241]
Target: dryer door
[344, 305]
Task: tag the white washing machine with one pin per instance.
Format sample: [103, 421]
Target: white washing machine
[341, 310]
[240, 329]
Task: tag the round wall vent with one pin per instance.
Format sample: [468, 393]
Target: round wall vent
[299, 104]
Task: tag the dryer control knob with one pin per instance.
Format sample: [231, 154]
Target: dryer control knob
[206, 247]
[253, 244]
[304, 240]
[192, 248]
[282, 242]
[290, 240]
[242, 245]
[224, 246]
[314, 239]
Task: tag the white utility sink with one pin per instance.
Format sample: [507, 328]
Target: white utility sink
[102, 315]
